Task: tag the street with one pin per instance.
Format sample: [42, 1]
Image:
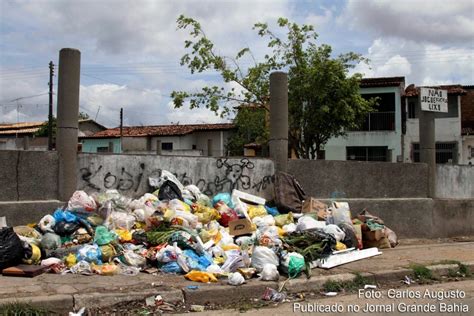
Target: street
[384, 302]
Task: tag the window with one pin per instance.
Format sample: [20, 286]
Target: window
[412, 109]
[384, 118]
[445, 152]
[166, 146]
[194, 147]
[102, 149]
[367, 153]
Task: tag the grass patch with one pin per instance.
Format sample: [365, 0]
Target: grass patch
[462, 270]
[422, 273]
[336, 286]
[22, 309]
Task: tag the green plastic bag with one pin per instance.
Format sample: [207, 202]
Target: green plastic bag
[284, 219]
[103, 236]
[295, 265]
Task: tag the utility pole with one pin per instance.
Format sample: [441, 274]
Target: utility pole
[121, 128]
[50, 114]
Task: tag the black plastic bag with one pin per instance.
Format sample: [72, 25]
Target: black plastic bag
[350, 240]
[11, 248]
[169, 191]
[65, 229]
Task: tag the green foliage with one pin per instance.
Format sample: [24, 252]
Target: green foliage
[250, 129]
[323, 100]
[336, 286]
[422, 273]
[17, 308]
[43, 130]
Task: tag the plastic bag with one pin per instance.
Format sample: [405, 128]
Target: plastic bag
[133, 259]
[50, 261]
[50, 241]
[340, 212]
[284, 219]
[293, 264]
[350, 237]
[120, 220]
[392, 237]
[164, 176]
[169, 191]
[66, 216]
[89, 253]
[273, 211]
[307, 222]
[233, 262]
[223, 197]
[289, 228]
[47, 223]
[269, 272]
[262, 255]
[262, 221]
[108, 252]
[256, 210]
[171, 267]
[103, 236]
[227, 215]
[81, 201]
[82, 267]
[235, 279]
[178, 205]
[206, 214]
[335, 231]
[168, 254]
[124, 235]
[70, 260]
[199, 276]
[215, 269]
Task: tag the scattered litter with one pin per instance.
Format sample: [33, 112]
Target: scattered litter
[192, 287]
[330, 294]
[407, 280]
[273, 295]
[79, 313]
[196, 308]
[370, 286]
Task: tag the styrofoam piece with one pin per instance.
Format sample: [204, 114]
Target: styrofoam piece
[341, 258]
[248, 197]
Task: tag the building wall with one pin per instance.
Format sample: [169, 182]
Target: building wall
[336, 147]
[90, 145]
[87, 128]
[467, 145]
[446, 130]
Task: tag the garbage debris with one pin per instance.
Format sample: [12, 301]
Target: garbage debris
[179, 229]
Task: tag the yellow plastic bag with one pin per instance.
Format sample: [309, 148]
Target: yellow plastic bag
[199, 276]
[230, 247]
[340, 246]
[71, 260]
[124, 234]
[285, 219]
[35, 255]
[206, 214]
[256, 210]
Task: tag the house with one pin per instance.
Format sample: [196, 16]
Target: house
[467, 125]
[191, 140]
[447, 127]
[14, 136]
[379, 137]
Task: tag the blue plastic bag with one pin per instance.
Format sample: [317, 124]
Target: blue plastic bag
[224, 197]
[171, 267]
[90, 253]
[272, 210]
[66, 216]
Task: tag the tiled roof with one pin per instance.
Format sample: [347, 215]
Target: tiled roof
[19, 131]
[5, 126]
[382, 82]
[161, 130]
[412, 90]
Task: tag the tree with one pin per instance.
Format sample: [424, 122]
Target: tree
[43, 130]
[249, 129]
[324, 101]
[83, 116]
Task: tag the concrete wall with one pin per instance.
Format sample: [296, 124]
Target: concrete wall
[353, 179]
[28, 175]
[467, 150]
[455, 182]
[129, 173]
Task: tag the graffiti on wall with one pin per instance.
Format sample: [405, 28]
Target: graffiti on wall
[230, 174]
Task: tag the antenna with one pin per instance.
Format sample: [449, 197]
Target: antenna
[97, 114]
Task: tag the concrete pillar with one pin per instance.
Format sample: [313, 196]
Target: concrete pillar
[26, 143]
[158, 147]
[279, 120]
[428, 148]
[68, 114]
[209, 147]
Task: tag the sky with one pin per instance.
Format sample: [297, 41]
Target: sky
[131, 49]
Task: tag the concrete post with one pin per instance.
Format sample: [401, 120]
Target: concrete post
[209, 147]
[68, 114]
[279, 120]
[428, 148]
[26, 143]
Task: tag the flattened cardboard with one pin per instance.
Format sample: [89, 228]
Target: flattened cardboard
[312, 205]
[24, 270]
[240, 227]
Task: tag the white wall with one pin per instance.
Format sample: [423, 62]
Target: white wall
[467, 144]
[455, 182]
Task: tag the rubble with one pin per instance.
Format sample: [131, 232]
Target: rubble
[178, 229]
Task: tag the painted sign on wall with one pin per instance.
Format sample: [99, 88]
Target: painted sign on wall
[434, 100]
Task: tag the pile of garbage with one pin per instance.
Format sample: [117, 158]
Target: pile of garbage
[178, 229]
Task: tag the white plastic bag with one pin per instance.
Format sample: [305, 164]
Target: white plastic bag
[262, 221]
[233, 261]
[269, 272]
[236, 279]
[81, 201]
[157, 182]
[335, 231]
[120, 220]
[341, 213]
[289, 228]
[263, 255]
[47, 223]
[307, 222]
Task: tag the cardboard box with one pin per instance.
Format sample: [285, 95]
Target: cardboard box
[312, 205]
[373, 235]
[240, 227]
[382, 243]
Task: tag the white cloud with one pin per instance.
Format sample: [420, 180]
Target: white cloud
[435, 21]
[319, 20]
